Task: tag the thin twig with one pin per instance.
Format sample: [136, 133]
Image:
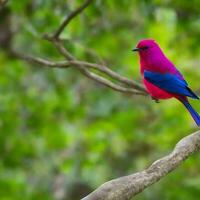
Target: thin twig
[108, 83]
[41, 61]
[70, 17]
[60, 47]
[91, 75]
[112, 74]
[63, 50]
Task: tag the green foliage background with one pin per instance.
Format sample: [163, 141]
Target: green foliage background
[61, 134]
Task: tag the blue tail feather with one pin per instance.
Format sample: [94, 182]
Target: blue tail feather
[193, 113]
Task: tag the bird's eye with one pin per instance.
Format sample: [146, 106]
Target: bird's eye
[145, 47]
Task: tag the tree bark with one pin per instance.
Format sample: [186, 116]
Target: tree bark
[124, 188]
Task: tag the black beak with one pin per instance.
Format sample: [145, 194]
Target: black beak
[136, 49]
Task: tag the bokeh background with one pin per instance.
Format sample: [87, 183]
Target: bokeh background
[61, 134]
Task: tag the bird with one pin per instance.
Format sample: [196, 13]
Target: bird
[161, 78]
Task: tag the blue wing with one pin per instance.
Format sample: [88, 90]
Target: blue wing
[170, 83]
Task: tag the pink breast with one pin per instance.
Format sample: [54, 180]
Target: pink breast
[156, 92]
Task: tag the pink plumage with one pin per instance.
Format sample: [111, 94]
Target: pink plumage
[153, 59]
[161, 78]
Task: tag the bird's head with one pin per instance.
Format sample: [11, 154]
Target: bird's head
[147, 47]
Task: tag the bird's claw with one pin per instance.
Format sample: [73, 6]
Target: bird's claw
[155, 99]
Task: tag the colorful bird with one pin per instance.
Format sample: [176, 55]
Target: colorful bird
[161, 78]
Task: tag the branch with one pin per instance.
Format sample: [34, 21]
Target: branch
[112, 74]
[81, 65]
[40, 61]
[68, 19]
[101, 68]
[124, 188]
[108, 83]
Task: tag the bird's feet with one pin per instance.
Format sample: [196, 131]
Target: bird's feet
[155, 99]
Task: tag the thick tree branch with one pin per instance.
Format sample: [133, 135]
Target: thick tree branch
[126, 187]
[70, 17]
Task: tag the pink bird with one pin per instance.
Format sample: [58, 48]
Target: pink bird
[161, 78]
